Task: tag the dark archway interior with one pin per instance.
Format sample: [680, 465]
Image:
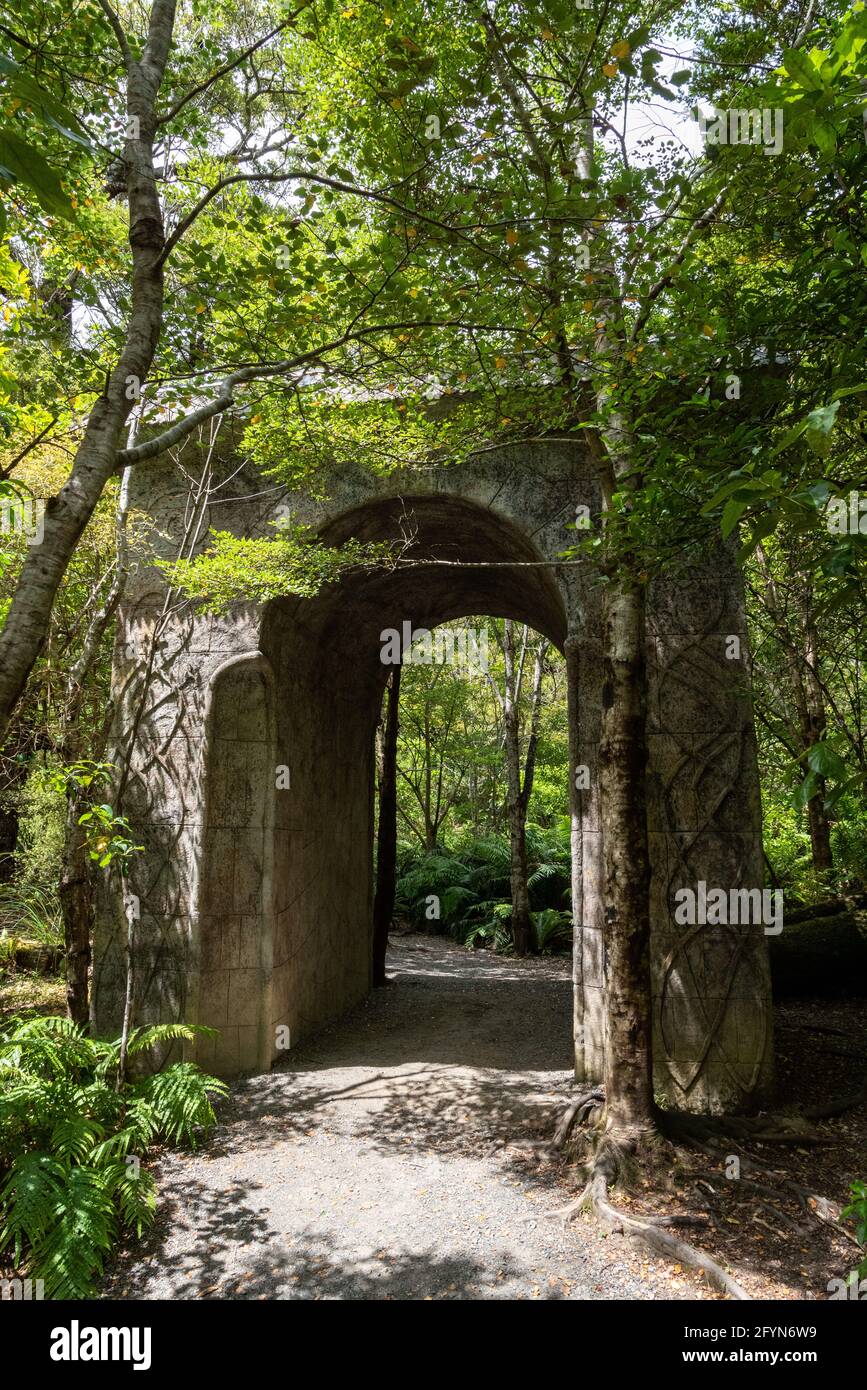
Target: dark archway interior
[326, 656]
[479, 562]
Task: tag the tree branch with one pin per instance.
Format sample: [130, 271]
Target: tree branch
[306, 175]
[225, 398]
[665, 279]
[117, 30]
[230, 66]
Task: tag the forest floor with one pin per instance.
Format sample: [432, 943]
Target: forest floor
[393, 1157]
[30, 992]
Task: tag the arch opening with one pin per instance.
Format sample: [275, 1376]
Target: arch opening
[326, 657]
[484, 537]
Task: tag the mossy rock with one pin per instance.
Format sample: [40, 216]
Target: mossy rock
[824, 956]
[17, 953]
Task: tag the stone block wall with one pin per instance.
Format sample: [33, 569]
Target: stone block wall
[255, 900]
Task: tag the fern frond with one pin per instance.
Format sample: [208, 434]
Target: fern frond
[142, 1120]
[48, 1045]
[136, 1194]
[74, 1245]
[543, 873]
[74, 1136]
[181, 1100]
[29, 1199]
[115, 1147]
[140, 1039]
[456, 899]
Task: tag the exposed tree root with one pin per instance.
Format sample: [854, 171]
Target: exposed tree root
[813, 1204]
[608, 1162]
[837, 1107]
[611, 1161]
[577, 1113]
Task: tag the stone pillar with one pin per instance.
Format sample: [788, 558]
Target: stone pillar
[712, 999]
[233, 935]
[588, 958]
[165, 659]
[711, 984]
[323, 868]
[584, 729]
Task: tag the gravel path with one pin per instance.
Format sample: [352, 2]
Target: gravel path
[383, 1159]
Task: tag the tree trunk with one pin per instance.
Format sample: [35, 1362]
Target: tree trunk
[816, 723]
[386, 842]
[8, 839]
[430, 825]
[626, 866]
[76, 904]
[572, 653]
[67, 514]
[522, 926]
[535, 717]
[76, 888]
[129, 996]
[820, 832]
[801, 651]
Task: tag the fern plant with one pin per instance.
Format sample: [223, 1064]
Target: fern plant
[552, 930]
[857, 1212]
[472, 879]
[495, 928]
[437, 874]
[71, 1144]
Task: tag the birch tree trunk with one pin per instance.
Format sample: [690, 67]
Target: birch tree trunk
[386, 841]
[67, 514]
[522, 927]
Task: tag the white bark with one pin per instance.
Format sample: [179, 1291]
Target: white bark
[67, 514]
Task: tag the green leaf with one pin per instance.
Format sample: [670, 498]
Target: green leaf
[725, 491]
[788, 439]
[806, 791]
[824, 136]
[799, 67]
[818, 425]
[24, 86]
[816, 494]
[822, 760]
[732, 513]
[28, 166]
[851, 390]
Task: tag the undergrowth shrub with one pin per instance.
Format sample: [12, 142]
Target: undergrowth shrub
[470, 880]
[857, 1211]
[72, 1143]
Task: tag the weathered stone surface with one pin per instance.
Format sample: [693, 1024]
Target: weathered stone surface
[256, 900]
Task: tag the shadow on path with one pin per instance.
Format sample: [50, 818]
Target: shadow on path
[382, 1159]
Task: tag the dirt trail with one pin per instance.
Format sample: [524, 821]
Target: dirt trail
[380, 1161]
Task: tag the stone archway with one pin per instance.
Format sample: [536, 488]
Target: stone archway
[235, 908]
[256, 900]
